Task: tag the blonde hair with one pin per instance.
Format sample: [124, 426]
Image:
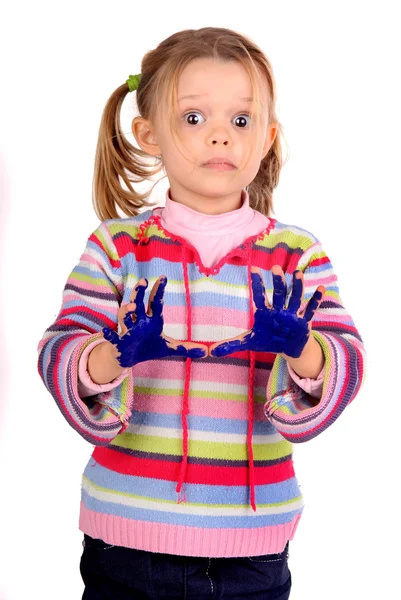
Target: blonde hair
[117, 159]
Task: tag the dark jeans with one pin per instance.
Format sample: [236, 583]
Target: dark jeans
[116, 573]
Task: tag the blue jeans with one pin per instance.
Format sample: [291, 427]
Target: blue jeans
[116, 573]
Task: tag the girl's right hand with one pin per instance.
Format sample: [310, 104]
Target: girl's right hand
[141, 334]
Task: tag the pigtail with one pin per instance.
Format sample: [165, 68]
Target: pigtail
[117, 161]
[260, 190]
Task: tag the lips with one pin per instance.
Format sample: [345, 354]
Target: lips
[218, 161]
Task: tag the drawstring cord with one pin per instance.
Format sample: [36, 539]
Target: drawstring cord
[143, 239]
[185, 403]
[251, 387]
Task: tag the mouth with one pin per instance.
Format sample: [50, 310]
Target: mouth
[219, 164]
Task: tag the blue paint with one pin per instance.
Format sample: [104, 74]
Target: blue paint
[144, 339]
[276, 329]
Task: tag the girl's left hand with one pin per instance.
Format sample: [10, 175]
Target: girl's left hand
[278, 329]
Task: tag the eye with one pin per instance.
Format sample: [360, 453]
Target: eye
[242, 120]
[194, 118]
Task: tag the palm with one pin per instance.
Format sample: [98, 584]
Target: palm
[144, 338]
[276, 328]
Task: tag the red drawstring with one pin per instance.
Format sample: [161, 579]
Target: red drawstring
[185, 406]
[251, 387]
[185, 403]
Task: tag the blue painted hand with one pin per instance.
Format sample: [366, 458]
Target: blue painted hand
[141, 333]
[278, 329]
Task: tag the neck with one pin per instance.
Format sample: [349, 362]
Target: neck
[208, 205]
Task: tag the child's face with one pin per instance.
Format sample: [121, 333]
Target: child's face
[212, 122]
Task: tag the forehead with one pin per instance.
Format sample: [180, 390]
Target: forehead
[214, 80]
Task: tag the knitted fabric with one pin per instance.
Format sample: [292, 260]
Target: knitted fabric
[242, 412]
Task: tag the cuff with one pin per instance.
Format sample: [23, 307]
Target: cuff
[313, 387]
[86, 386]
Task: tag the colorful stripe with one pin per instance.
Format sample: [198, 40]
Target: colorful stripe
[129, 484]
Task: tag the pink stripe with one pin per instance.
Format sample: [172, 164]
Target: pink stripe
[321, 280]
[199, 407]
[202, 315]
[167, 370]
[343, 319]
[183, 540]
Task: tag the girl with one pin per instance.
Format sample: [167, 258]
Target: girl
[193, 404]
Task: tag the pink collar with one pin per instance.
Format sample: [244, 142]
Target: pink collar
[180, 218]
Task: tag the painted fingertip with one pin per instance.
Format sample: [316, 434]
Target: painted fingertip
[139, 284]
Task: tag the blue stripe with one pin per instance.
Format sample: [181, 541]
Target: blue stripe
[201, 423]
[195, 492]
[204, 522]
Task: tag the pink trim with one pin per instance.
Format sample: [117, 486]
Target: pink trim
[183, 540]
[241, 250]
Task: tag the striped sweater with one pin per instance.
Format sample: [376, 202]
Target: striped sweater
[242, 412]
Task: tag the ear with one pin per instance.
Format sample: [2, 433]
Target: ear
[145, 136]
[271, 133]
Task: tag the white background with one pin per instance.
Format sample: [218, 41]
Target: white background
[337, 67]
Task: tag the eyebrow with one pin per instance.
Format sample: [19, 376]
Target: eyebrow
[190, 96]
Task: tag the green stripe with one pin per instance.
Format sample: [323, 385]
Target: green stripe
[173, 502]
[93, 280]
[293, 240]
[201, 449]
[210, 395]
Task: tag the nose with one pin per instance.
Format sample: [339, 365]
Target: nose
[219, 136]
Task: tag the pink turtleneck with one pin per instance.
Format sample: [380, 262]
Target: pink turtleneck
[213, 236]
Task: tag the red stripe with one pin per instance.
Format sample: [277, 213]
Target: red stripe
[317, 325]
[316, 262]
[205, 474]
[173, 253]
[279, 256]
[84, 310]
[114, 263]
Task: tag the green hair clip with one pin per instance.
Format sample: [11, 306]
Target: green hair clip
[133, 82]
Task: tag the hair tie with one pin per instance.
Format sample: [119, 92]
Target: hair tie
[133, 82]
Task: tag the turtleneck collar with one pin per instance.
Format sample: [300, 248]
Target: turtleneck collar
[180, 216]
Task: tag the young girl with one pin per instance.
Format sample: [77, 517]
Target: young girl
[193, 402]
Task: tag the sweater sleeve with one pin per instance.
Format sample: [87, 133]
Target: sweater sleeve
[91, 298]
[291, 409]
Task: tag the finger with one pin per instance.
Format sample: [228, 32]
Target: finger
[137, 297]
[297, 292]
[128, 322]
[230, 346]
[191, 349]
[122, 318]
[314, 303]
[258, 288]
[110, 335]
[279, 288]
[155, 306]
